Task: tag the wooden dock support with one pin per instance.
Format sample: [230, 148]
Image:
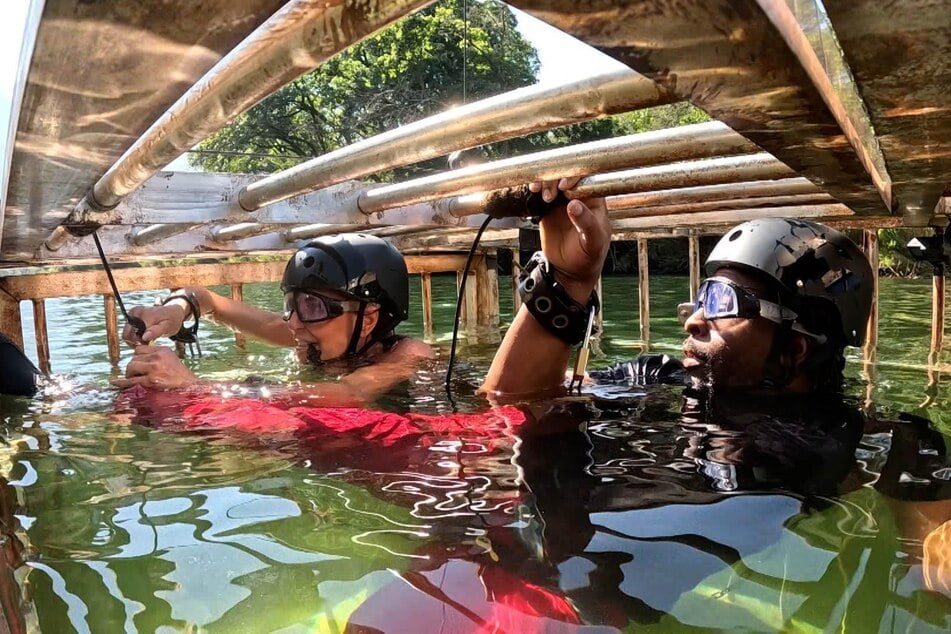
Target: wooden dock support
[11, 323]
[643, 295]
[937, 317]
[237, 294]
[427, 285]
[516, 271]
[693, 250]
[870, 246]
[487, 301]
[468, 316]
[42, 335]
[112, 328]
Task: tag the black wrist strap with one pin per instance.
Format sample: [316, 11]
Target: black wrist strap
[187, 334]
[550, 304]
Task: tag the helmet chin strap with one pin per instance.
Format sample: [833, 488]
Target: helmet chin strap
[355, 337]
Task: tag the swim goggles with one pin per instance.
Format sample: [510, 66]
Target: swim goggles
[312, 308]
[721, 298]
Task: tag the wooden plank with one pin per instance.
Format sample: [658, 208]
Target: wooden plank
[41, 335]
[112, 328]
[427, 301]
[693, 255]
[92, 89]
[726, 57]
[50, 282]
[237, 294]
[11, 323]
[643, 294]
[906, 94]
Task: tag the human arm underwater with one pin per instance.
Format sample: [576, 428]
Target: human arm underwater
[158, 367]
[575, 239]
[167, 320]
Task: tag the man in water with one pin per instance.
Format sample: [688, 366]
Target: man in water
[343, 298]
[782, 300]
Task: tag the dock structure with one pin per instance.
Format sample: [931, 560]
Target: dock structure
[814, 117]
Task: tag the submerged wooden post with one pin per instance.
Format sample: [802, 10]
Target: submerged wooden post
[870, 245]
[42, 336]
[937, 316]
[693, 250]
[427, 284]
[112, 328]
[237, 294]
[643, 295]
[468, 317]
[487, 302]
[494, 311]
[11, 323]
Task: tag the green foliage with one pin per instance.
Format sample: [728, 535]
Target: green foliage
[406, 72]
[893, 256]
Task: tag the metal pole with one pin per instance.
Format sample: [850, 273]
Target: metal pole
[142, 236]
[299, 37]
[505, 116]
[721, 205]
[647, 148]
[708, 193]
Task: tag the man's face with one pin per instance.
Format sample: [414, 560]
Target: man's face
[729, 352]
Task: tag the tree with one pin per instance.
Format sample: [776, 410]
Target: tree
[408, 71]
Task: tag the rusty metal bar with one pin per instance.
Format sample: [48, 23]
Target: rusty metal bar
[708, 193]
[307, 232]
[803, 200]
[296, 39]
[505, 116]
[228, 233]
[142, 236]
[711, 171]
[647, 148]
[112, 328]
[730, 216]
[42, 335]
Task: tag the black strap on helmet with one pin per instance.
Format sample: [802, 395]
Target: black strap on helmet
[355, 336]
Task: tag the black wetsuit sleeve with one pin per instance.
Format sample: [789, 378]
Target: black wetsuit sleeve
[643, 370]
[17, 372]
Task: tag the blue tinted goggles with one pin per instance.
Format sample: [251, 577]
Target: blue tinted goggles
[721, 298]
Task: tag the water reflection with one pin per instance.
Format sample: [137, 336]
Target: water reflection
[612, 512]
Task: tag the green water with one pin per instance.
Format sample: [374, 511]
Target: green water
[113, 525]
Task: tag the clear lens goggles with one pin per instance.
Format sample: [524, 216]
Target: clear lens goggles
[721, 298]
[313, 308]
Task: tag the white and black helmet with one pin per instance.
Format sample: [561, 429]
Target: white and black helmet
[818, 269]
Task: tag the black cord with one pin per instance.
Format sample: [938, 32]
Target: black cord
[462, 293]
[137, 324]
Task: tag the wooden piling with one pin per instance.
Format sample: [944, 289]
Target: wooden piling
[427, 284]
[516, 271]
[693, 250]
[643, 279]
[11, 322]
[870, 246]
[937, 317]
[494, 311]
[112, 328]
[599, 318]
[42, 335]
[237, 294]
[487, 301]
[469, 318]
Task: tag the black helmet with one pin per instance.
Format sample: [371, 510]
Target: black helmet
[820, 270]
[361, 266]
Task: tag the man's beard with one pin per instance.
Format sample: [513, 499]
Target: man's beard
[704, 376]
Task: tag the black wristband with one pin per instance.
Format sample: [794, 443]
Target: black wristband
[551, 305]
[186, 334]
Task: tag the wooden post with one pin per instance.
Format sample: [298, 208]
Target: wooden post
[42, 337]
[237, 294]
[427, 283]
[870, 245]
[516, 271]
[693, 250]
[11, 323]
[643, 295]
[937, 317]
[487, 302]
[599, 318]
[112, 328]
[468, 317]
[494, 312]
